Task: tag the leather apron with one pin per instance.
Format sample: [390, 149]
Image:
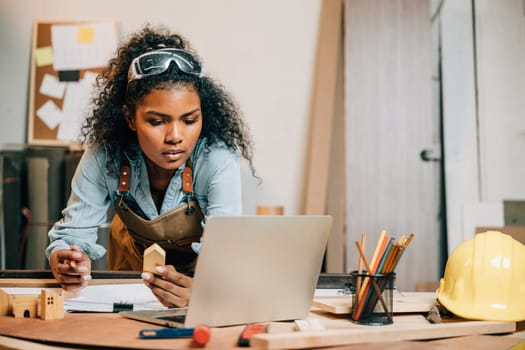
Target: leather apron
[175, 230]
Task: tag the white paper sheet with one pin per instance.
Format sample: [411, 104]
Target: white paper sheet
[76, 106]
[103, 298]
[332, 292]
[52, 87]
[50, 114]
[70, 53]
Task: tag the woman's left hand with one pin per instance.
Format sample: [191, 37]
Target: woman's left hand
[172, 288]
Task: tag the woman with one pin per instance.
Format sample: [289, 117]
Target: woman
[165, 143]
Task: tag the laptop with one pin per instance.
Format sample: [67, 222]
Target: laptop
[251, 269]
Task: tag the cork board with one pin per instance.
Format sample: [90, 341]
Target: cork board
[65, 60]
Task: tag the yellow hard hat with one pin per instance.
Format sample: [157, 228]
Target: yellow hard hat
[485, 279]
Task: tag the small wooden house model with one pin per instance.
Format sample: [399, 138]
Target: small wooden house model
[154, 256]
[48, 305]
[51, 305]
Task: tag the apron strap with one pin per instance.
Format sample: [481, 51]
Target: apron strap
[187, 177]
[123, 183]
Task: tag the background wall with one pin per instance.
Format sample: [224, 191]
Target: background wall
[262, 51]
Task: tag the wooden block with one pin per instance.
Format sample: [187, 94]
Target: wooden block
[404, 328]
[270, 210]
[5, 304]
[309, 324]
[25, 306]
[154, 256]
[405, 302]
[51, 305]
[427, 286]
[517, 232]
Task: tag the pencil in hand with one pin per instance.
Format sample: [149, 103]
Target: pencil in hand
[73, 262]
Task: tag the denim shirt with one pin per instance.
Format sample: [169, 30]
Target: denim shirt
[216, 186]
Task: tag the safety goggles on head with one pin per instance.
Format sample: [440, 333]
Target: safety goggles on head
[159, 61]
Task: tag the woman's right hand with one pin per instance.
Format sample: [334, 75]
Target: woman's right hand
[172, 288]
[71, 268]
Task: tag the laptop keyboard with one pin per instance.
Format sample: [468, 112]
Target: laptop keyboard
[172, 318]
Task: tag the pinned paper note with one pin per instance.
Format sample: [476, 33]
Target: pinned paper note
[44, 56]
[50, 114]
[52, 87]
[76, 106]
[77, 47]
[85, 34]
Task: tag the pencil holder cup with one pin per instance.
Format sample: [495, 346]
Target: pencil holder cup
[372, 300]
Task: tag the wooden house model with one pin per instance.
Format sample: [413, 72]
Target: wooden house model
[154, 256]
[47, 305]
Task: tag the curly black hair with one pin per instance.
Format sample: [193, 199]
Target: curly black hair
[107, 126]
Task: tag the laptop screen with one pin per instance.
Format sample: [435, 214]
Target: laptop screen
[257, 268]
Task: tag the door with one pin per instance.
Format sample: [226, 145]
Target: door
[389, 122]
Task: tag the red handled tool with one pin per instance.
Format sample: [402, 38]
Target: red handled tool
[249, 330]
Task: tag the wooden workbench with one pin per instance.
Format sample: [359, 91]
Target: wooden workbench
[110, 330]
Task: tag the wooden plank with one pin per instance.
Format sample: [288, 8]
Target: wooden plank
[336, 188]
[32, 283]
[403, 328]
[326, 156]
[403, 303]
[46, 274]
[43, 278]
[478, 342]
[334, 305]
[323, 106]
[29, 283]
